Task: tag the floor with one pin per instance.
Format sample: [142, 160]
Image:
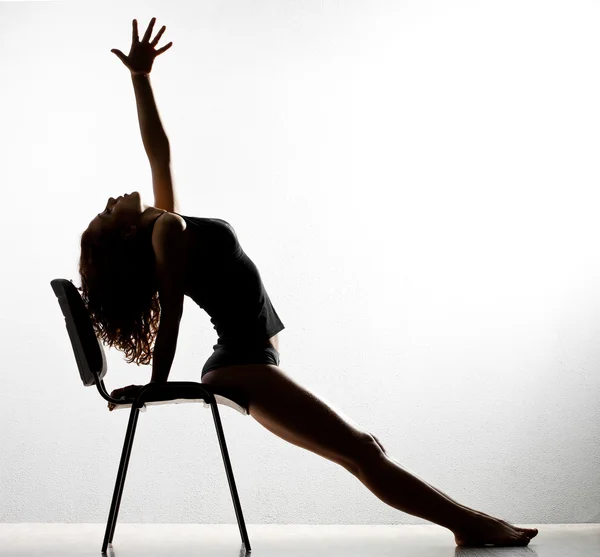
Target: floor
[183, 540]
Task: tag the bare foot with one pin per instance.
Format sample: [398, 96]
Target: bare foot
[493, 531]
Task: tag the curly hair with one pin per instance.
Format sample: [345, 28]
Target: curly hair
[119, 290]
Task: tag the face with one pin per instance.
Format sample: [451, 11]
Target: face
[122, 212]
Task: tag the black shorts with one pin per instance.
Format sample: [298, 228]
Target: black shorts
[224, 355]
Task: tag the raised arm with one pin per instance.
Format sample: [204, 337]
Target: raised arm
[154, 138]
[156, 144]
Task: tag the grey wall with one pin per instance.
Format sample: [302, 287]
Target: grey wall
[418, 185]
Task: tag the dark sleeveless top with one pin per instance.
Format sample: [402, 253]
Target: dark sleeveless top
[226, 284]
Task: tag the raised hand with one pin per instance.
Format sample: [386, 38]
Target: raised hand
[142, 53]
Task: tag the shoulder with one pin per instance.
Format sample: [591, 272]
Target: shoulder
[169, 223]
[168, 228]
[171, 219]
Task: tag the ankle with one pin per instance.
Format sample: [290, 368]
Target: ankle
[466, 520]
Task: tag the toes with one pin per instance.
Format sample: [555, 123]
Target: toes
[531, 532]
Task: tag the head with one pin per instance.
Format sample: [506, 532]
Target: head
[118, 281]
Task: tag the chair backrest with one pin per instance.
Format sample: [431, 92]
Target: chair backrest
[87, 348]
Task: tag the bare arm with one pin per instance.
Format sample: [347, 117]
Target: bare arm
[168, 244]
[154, 138]
[163, 355]
[139, 62]
[156, 144]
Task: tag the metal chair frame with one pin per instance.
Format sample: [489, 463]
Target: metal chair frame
[91, 361]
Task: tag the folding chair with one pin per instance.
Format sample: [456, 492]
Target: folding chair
[91, 361]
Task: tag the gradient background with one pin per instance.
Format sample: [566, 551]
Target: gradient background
[418, 183]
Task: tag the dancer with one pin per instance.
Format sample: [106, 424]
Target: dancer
[137, 263]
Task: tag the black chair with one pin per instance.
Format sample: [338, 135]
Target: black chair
[91, 361]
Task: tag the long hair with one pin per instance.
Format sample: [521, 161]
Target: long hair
[119, 290]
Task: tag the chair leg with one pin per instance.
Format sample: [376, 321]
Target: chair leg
[229, 471]
[120, 482]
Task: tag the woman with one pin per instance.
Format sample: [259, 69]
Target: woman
[137, 263]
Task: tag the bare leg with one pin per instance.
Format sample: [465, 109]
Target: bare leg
[531, 532]
[432, 487]
[300, 417]
[398, 487]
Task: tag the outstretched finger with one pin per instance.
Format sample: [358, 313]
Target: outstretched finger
[149, 31]
[164, 48]
[134, 32]
[157, 38]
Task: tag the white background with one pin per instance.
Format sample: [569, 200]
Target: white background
[417, 183]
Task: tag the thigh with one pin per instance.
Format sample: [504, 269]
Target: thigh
[295, 413]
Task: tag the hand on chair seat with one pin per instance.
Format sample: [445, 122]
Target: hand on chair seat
[124, 392]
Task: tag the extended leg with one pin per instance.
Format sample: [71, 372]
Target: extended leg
[431, 486]
[300, 417]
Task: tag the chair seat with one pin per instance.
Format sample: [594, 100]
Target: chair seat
[181, 392]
